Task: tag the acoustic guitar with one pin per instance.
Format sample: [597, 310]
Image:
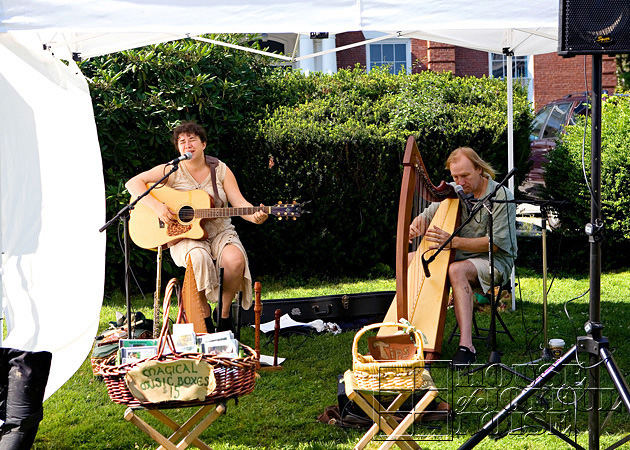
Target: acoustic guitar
[190, 207]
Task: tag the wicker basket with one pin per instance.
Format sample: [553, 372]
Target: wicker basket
[372, 375]
[108, 359]
[98, 363]
[234, 376]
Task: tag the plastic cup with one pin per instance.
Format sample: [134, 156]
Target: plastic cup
[556, 347]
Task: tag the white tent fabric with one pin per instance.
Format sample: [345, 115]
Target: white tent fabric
[53, 262]
[53, 204]
[93, 27]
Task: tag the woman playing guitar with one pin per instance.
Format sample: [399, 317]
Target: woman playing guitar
[221, 246]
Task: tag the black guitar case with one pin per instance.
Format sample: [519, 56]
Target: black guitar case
[360, 309]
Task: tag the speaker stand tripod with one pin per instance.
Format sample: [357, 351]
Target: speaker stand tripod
[594, 343]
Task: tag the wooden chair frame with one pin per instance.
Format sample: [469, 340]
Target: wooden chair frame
[383, 416]
[183, 435]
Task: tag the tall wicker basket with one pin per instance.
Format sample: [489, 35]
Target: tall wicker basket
[372, 375]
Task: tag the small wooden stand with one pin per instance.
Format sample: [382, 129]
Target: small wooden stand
[185, 434]
[383, 416]
[276, 338]
[257, 314]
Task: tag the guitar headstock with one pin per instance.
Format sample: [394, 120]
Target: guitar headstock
[287, 210]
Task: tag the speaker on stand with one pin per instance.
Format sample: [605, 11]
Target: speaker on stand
[594, 27]
[586, 27]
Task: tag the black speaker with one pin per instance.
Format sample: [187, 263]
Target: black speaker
[592, 27]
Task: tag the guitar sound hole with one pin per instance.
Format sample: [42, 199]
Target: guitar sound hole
[186, 214]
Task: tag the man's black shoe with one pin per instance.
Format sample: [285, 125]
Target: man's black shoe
[463, 357]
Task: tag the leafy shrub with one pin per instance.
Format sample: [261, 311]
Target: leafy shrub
[341, 144]
[565, 178]
[139, 96]
[336, 140]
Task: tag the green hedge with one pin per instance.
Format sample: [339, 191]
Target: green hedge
[340, 146]
[140, 95]
[334, 140]
[565, 180]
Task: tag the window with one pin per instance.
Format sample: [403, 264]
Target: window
[550, 121]
[539, 122]
[498, 66]
[394, 54]
[521, 70]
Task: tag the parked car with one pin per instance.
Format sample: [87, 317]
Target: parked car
[548, 124]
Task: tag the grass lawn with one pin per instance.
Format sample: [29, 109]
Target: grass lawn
[282, 411]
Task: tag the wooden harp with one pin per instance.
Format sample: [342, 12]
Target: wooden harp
[420, 299]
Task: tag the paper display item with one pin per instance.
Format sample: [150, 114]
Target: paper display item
[213, 337]
[133, 354]
[137, 343]
[184, 338]
[227, 334]
[185, 343]
[224, 347]
[183, 328]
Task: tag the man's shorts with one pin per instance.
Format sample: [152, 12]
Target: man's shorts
[483, 273]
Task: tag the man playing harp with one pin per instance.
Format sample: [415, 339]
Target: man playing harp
[471, 267]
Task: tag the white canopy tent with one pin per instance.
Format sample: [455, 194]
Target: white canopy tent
[51, 176]
[93, 27]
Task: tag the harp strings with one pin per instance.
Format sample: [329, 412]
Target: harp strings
[418, 246]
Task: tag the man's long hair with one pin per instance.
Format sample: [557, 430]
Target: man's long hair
[486, 169]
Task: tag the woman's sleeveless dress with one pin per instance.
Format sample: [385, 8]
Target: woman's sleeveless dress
[206, 253]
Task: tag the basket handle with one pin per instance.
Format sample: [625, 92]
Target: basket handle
[165, 335]
[406, 326]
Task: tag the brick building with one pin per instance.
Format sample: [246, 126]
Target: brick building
[547, 76]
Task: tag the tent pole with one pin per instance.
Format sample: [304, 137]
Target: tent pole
[510, 136]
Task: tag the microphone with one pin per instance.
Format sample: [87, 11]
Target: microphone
[464, 198]
[185, 156]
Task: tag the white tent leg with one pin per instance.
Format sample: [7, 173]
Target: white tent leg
[510, 136]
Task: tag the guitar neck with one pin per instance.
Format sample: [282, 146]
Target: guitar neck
[214, 213]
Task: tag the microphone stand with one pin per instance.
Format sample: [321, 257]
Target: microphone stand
[544, 206]
[546, 353]
[123, 215]
[494, 359]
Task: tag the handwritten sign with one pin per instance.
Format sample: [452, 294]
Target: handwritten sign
[391, 348]
[180, 380]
